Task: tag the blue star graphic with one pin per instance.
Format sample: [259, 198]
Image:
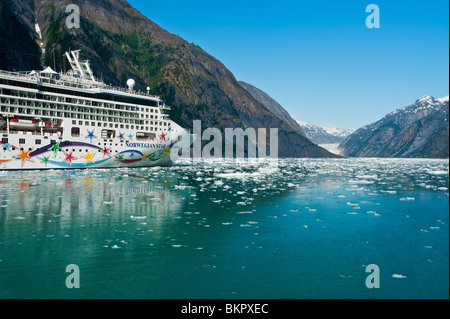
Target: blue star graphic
[91, 134]
[7, 146]
[121, 136]
[130, 136]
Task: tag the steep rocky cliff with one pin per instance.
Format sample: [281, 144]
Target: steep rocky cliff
[419, 130]
[121, 43]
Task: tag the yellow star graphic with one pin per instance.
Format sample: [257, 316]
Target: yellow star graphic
[88, 157]
[24, 156]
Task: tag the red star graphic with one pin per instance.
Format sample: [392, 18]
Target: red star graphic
[163, 135]
[69, 157]
[106, 151]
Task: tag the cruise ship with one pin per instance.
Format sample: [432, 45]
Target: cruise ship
[71, 120]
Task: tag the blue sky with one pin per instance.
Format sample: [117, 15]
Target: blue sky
[317, 58]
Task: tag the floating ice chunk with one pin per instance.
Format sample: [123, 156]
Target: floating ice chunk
[116, 247]
[108, 203]
[237, 175]
[407, 198]
[138, 217]
[19, 218]
[398, 276]
[438, 172]
[361, 182]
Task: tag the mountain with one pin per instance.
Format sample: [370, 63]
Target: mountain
[420, 130]
[121, 43]
[324, 135]
[272, 106]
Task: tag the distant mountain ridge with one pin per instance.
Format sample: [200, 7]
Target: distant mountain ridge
[420, 130]
[324, 135]
[121, 43]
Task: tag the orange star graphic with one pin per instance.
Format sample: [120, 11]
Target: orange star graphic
[24, 156]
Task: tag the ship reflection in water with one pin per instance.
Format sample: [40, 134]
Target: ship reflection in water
[227, 229]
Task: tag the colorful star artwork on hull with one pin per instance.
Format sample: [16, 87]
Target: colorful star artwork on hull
[54, 156]
[24, 156]
[90, 135]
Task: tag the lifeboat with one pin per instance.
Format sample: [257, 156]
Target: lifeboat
[20, 124]
[49, 127]
[2, 122]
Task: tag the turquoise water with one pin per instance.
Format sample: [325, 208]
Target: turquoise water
[289, 229]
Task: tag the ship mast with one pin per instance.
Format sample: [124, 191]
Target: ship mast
[81, 68]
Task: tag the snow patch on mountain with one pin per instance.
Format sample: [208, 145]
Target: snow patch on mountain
[324, 135]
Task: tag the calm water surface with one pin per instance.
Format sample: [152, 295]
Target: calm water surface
[226, 229]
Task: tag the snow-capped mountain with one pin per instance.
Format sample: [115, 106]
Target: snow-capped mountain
[417, 130]
[324, 135]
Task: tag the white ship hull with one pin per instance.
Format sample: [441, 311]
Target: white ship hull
[56, 152]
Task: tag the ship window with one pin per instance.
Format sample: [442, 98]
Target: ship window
[108, 134]
[21, 141]
[99, 124]
[38, 142]
[75, 131]
[80, 122]
[4, 140]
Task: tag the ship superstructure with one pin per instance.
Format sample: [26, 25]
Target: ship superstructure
[50, 120]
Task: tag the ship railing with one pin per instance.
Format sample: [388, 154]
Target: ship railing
[73, 82]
